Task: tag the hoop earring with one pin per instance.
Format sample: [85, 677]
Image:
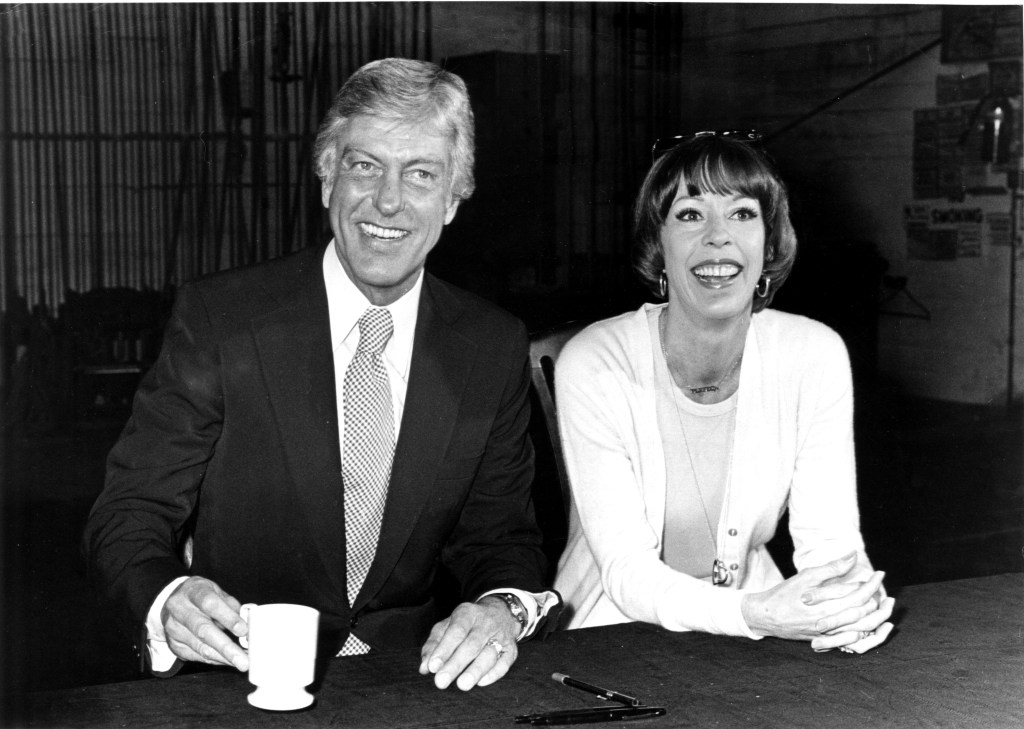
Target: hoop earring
[663, 285]
[767, 284]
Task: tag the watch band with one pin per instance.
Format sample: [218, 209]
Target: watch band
[515, 607]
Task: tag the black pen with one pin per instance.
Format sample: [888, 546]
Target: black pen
[590, 716]
[601, 693]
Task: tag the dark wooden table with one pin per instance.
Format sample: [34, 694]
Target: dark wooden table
[956, 660]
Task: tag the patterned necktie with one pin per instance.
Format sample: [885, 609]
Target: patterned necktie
[369, 447]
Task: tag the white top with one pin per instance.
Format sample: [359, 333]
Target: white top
[793, 445]
[697, 440]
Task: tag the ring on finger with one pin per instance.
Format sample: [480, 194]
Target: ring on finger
[493, 642]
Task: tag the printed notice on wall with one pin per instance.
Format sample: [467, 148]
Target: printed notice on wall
[943, 231]
[999, 229]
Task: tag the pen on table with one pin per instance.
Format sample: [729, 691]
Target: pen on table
[590, 716]
[601, 693]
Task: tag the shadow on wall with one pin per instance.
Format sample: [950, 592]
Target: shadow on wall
[838, 283]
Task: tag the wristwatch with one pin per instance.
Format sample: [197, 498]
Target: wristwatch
[515, 606]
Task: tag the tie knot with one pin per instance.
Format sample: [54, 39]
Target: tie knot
[375, 330]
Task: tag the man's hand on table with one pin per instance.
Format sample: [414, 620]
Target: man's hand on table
[474, 647]
[195, 617]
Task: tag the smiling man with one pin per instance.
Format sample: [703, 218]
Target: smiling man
[344, 430]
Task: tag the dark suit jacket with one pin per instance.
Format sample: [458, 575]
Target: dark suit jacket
[237, 420]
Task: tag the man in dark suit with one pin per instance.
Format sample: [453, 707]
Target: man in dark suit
[359, 480]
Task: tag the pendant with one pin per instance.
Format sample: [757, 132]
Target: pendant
[720, 576]
[700, 390]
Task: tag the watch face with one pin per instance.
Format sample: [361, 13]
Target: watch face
[515, 607]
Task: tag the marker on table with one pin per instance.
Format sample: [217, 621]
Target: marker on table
[601, 693]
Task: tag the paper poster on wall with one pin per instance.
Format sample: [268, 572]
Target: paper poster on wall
[999, 229]
[938, 153]
[943, 231]
[968, 244]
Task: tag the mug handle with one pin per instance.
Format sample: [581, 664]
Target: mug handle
[244, 613]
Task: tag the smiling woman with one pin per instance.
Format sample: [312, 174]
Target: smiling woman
[690, 426]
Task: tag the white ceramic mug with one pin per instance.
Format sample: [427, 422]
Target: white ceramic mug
[282, 654]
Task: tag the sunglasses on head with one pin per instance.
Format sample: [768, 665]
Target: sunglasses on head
[665, 144]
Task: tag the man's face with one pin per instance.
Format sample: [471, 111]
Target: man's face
[388, 201]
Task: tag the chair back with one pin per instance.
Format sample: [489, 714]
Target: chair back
[545, 347]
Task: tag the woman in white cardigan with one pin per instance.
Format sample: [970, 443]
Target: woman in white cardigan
[689, 427]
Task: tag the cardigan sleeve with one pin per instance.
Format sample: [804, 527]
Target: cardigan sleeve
[824, 520]
[601, 419]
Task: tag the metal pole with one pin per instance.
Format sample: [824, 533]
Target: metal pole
[1015, 211]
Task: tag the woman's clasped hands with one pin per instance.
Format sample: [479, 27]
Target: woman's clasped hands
[838, 605]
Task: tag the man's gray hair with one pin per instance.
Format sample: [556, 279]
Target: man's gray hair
[406, 91]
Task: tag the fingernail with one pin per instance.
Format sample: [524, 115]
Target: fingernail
[806, 598]
[442, 680]
[435, 665]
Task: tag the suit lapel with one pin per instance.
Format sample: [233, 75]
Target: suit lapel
[441, 360]
[294, 343]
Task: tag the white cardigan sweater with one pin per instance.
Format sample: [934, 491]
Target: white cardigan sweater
[793, 446]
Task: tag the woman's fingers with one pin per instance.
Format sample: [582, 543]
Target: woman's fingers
[871, 640]
[833, 591]
[871, 621]
[852, 607]
[854, 641]
[837, 590]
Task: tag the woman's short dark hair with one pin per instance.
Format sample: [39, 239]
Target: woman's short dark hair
[719, 165]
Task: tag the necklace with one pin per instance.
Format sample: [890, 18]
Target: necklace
[720, 575]
[697, 389]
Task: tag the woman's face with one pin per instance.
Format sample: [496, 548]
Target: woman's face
[714, 252]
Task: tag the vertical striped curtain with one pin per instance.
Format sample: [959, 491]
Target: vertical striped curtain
[620, 64]
[142, 145]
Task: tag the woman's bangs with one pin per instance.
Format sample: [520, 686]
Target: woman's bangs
[727, 174]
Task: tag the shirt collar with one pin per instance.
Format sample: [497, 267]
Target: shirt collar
[346, 304]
